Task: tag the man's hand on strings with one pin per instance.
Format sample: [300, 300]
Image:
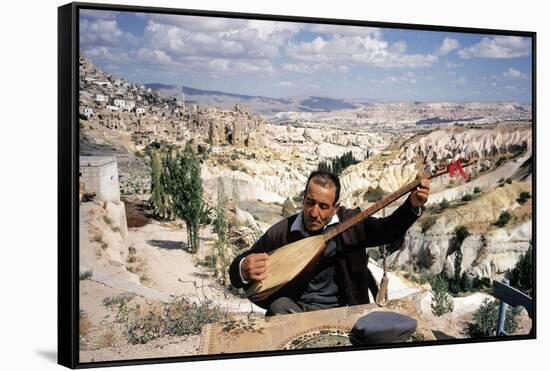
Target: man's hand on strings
[254, 267]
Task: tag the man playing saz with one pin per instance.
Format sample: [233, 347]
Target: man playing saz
[340, 276]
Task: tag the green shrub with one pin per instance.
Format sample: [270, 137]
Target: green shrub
[427, 224]
[523, 197]
[420, 274]
[477, 190]
[85, 275]
[466, 283]
[521, 277]
[338, 164]
[442, 301]
[443, 204]
[118, 300]
[486, 319]
[467, 197]
[482, 283]
[188, 319]
[461, 232]
[503, 219]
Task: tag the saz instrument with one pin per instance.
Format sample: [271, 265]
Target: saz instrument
[288, 262]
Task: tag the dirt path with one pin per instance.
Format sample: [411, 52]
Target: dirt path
[150, 265]
[172, 270]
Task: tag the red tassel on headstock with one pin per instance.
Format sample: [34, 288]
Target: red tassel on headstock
[456, 167]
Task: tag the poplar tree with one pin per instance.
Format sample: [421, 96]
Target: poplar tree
[181, 178]
[157, 188]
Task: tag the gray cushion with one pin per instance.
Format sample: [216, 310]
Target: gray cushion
[382, 327]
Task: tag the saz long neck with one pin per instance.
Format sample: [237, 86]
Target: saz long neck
[379, 205]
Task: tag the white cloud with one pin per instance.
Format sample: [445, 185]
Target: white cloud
[345, 30]
[190, 43]
[498, 47]
[99, 14]
[354, 50]
[223, 45]
[513, 74]
[447, 46]
[154, 56]
[303, 67]
[277, 33]
[407, 77]
[180, 42]
[508, 75]
[233, 66]
[285, 84]
[102, 32]
[197, 24]
[399, 47]
[511, 87]
[103, 53]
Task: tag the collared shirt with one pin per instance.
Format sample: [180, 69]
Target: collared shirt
[298, 224]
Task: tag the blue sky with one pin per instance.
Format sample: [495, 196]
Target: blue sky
[286, 59]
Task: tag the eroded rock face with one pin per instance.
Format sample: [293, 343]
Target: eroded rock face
[483, 255]
[238, 127]
[366, 182]
[238, 133]
[267, 184]
[469, 143]
[217, 131]
[290, 207]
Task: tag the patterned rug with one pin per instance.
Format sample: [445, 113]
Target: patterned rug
[318, 329]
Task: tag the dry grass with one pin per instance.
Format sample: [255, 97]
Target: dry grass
[108, 339]
[84, 324]
[146, 322]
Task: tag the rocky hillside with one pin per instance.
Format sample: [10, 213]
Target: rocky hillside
[502, 173]
[478, 143]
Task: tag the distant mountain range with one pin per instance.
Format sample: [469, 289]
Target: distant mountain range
[260, 104]
[306, 107]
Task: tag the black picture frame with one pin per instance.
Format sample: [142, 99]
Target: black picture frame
[68, 178]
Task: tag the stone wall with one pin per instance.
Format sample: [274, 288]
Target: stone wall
[100, 175]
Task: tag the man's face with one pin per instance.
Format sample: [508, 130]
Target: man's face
[319, 206]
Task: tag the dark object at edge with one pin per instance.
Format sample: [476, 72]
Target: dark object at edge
[382, 327]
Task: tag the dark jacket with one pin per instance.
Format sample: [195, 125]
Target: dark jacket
[351, 273]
